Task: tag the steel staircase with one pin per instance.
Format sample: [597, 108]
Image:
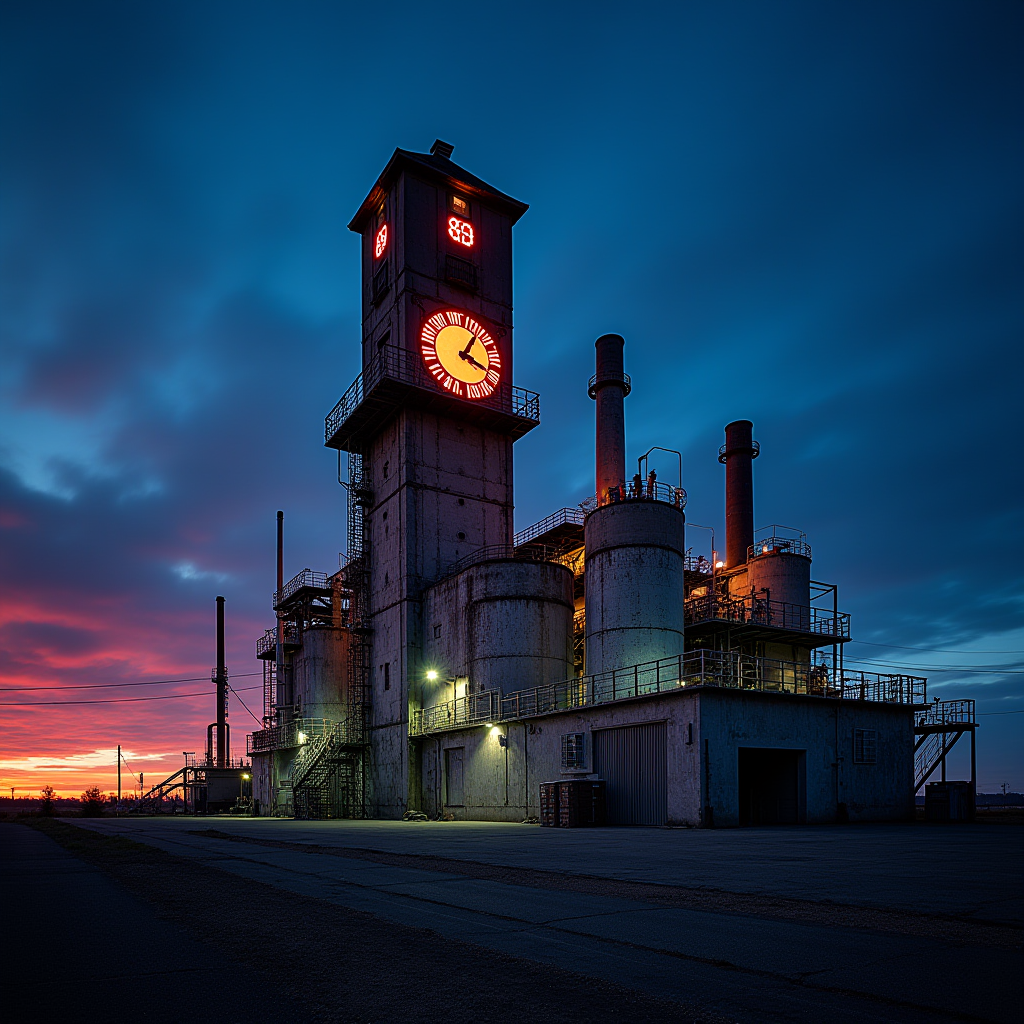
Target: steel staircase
[937, 727]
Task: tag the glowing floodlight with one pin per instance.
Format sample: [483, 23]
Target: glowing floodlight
[431, 674]
[719, 565]
[302, 737]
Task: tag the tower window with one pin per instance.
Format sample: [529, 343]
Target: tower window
[459, 205]
[386, 668]
[460, 272]
[865, 746]
[380, 282]
[437, 631]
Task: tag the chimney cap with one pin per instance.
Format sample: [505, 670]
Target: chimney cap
[440, 148]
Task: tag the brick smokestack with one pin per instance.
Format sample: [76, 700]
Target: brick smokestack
[608, 387]
[738, 454]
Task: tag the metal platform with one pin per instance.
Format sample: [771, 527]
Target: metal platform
[397, 378]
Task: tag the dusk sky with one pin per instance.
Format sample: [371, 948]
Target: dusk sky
[805, 214]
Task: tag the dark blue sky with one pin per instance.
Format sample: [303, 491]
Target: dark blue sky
[808, 214]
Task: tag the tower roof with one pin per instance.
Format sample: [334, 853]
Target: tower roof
[435, 166]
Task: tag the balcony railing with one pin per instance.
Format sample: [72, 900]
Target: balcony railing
[574, 516]
[509, 552]
[643, 491]
[762, 612]
[267, 643]
[399, 364]
[779, 546]
[292, 734]
[695, 668]
[307, 579]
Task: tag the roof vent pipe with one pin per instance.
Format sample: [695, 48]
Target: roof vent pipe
[440, 148]
[738, 454]
[608, 387]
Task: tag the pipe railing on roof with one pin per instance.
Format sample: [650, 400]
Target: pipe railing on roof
[726, 669]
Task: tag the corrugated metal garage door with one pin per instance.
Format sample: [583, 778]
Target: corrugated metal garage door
[633, 761]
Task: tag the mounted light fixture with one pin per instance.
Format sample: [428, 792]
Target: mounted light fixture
[431, 674]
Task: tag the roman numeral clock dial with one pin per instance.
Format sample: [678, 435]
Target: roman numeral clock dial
[460, 354]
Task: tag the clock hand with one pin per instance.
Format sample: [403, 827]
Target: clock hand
[472, 341]
[470, 359]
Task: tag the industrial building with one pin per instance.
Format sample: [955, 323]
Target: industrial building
[452, 666]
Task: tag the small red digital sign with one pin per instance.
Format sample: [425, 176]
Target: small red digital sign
[460, 231]
[381, 242]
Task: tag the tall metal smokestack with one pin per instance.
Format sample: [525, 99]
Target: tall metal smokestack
[279, 647]
[608, 387]
[221, 679]
[738, 454]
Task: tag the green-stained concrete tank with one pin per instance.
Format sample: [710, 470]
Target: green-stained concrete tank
[519, 624]
[634, 583]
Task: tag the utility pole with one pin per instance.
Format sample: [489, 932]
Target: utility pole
[118, 811]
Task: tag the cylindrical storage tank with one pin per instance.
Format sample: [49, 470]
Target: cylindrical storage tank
[633, 584]
[320, 674]
[518, 624]
[785, 579]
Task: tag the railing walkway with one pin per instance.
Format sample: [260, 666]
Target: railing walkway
[763, 612]
[695, 668]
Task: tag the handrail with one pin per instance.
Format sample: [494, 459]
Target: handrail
[775, 545]
[307, 579]
[507, 552]
[725, 669]
[760, 611]
[394, 363]
[647, 490]
[559, 518]
[268, 642]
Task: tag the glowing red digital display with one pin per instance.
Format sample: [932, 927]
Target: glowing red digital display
[460, 231]
[381, 242]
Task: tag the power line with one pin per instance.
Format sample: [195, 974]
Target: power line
[114, 700]
[968, 669]
[242, 702]
[929, 650]
[1018, 712]
[103, 686]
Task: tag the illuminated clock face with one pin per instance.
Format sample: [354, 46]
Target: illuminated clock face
[460, 354]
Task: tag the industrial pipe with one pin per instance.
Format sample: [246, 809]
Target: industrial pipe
[738, 454]
[279, 644]
[221, 680]
[608, 387]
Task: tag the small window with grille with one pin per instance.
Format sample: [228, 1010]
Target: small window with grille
[380, 282]
[865, 746]
[459, 205]
[460, 272]
[574, 753]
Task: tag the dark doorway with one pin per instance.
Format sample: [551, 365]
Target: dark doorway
[633, 761]
[454, 764]
[772, 787]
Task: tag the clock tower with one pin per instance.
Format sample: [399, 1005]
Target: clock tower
[428, 425]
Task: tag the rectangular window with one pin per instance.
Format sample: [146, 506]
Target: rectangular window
[387, 675]
[380, 282]
[459, 205]
[437, 631]
[865, 746]
[460, 272]
[574, 750]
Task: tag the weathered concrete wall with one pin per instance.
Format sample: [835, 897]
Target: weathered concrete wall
[634, 584]
[501, 780]
[731, 719]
